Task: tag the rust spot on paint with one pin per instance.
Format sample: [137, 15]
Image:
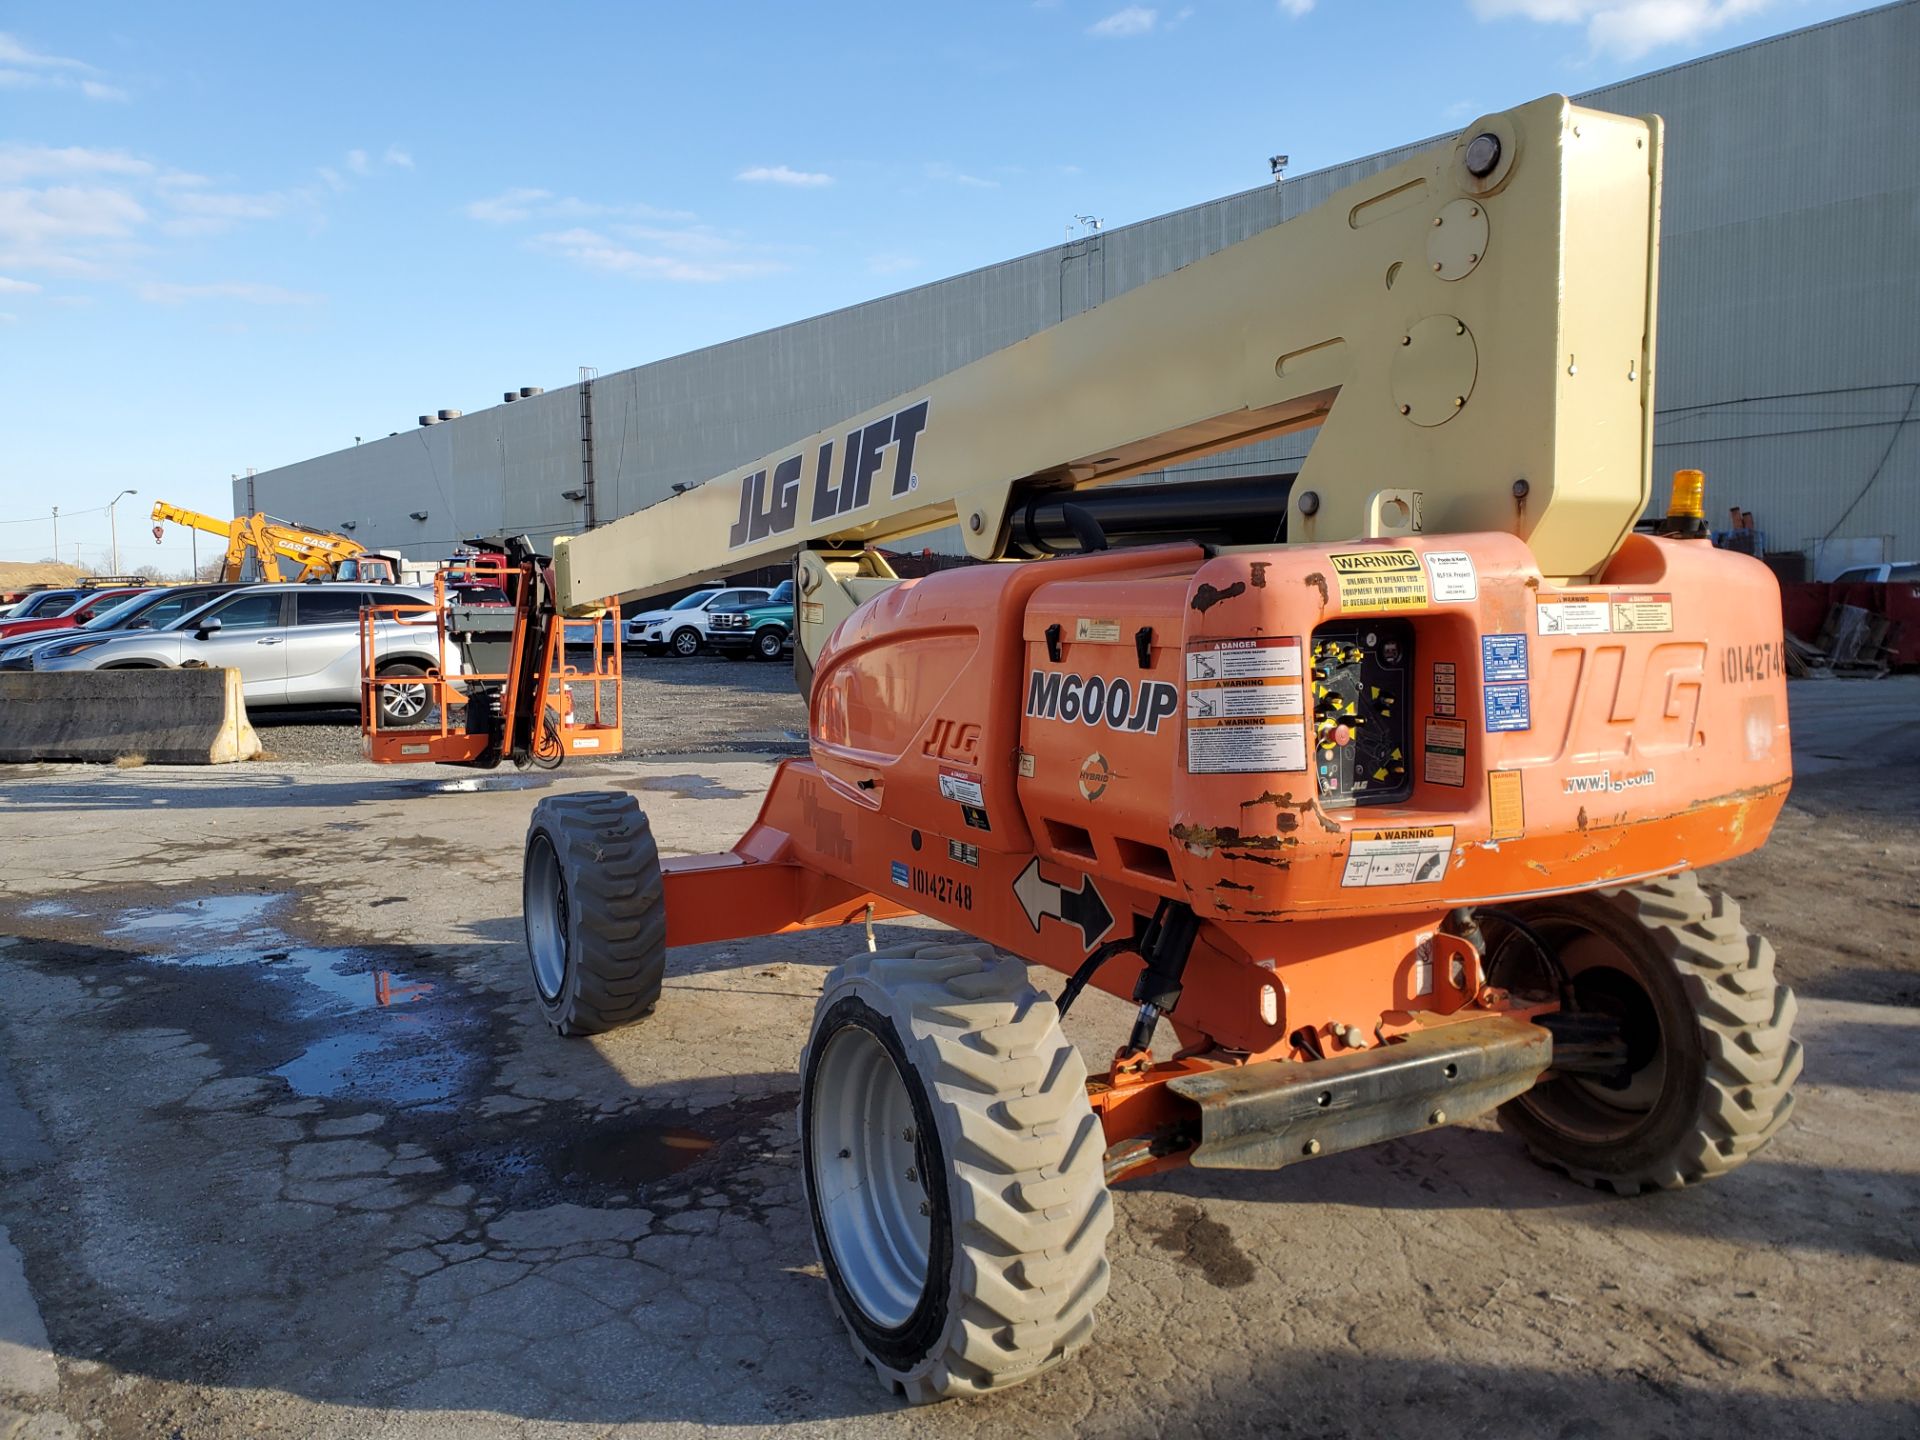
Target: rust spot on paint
[1319, 582]
[1231, 885]
[1206, 597]
[1257, 572]
[1580, 820]
[1226, 837]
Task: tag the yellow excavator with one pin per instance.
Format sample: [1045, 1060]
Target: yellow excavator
[318, 554]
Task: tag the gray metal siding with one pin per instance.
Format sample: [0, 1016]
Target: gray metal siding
[1789, 341]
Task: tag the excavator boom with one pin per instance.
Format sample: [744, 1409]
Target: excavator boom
[317, 553]
[1475, 323]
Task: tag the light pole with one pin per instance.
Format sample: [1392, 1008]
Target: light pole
[113, 530]
[56, 534]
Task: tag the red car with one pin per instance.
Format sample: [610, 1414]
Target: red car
[91, 603]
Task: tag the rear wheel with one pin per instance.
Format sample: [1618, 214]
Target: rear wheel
[592, 901]
[1711, 1060]
[954, 1171]
[404, 705]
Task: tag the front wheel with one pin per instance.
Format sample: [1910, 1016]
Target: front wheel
[594, 907]
[770, 643]
[686, 642]
[1711, 1059]
[954, 1170]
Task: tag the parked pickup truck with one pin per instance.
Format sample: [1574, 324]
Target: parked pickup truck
[763, 628]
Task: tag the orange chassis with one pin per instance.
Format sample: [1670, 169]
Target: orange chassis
[1557, 739]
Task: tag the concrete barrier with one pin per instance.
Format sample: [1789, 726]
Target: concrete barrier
[167, 717]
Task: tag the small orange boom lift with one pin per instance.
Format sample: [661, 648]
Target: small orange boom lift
[1376, 789]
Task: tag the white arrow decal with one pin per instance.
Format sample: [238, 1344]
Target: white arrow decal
[1082, 908]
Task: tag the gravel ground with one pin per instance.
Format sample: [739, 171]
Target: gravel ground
[707, 705]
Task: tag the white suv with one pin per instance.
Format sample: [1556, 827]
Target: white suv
[681, 628]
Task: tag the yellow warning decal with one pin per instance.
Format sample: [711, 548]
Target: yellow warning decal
[1380, 580]
[1506, 811]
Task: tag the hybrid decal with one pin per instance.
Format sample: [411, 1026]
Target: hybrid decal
[1118, 704]
[772, 506]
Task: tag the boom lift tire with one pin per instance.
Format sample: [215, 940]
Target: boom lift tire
[1712, 1080]
[596, 927]
[953, 1169]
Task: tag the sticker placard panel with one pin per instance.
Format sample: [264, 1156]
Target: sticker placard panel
[1246, 706]
[1416, 855]
[1446, 752]
[1380, 580]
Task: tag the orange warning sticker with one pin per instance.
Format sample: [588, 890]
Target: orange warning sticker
[1506, 810]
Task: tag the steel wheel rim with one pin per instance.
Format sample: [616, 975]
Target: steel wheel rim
[771, 646]
[544, 903]
[404, 702]
[1579, 1106]
[868, 1188]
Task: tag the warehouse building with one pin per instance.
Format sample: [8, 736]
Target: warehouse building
[1789, 337]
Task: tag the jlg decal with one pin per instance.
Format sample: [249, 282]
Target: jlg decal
[1096, 700]
[773, 509]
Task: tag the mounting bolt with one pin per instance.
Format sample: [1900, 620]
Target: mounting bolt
[846, 1154]
[913, 1175]
[1309, 502]
[1406, 339]
[1312, 1147]
[976, 522]
[1520, 489]
[1458, 401]
[1406, 409]
[907, 1134]
[1438, 1117]
[1436, 267]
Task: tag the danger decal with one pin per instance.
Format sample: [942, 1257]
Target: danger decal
[770, 503]
[1117, 704]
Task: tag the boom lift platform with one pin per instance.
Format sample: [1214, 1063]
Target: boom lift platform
[514, 688]
[1376, 789]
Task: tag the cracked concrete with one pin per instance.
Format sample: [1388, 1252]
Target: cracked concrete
[249, 1197]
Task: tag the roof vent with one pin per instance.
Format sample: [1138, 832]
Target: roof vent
[449, 414]
[527, 392]
[510, 397]
[429, 419]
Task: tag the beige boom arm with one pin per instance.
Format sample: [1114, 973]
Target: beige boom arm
[1477, 316]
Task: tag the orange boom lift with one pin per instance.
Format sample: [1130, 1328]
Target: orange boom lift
[1376, 789]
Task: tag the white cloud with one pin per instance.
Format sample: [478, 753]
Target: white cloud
[15, 52]
[30, 69]
[509, 206]
[398, 158]
[597, 251]
[244, 291]
[1132, 20]
[47, 162]
[947, 174]
[892, 264]
[358, 162]
[1627, 29]
[516, 206]
[783, 175]
[17, 287]
[1295, 8]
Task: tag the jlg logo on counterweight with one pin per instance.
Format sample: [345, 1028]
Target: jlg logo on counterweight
[1097, 700]
[773, 509]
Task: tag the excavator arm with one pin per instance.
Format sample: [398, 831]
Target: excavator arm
[1469, 331]
[317, 553]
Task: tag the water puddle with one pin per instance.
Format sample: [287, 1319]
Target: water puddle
[690, 787]
[472, 785]
[385, 1041]
[48, 910]
[231, 914]
[588, 1165]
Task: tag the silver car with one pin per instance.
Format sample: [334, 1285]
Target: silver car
[292, 644]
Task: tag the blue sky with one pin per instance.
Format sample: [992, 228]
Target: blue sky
[237, 235]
